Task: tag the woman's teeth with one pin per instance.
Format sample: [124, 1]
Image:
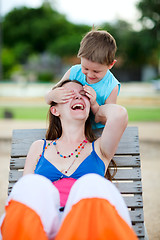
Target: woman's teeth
[78, 106]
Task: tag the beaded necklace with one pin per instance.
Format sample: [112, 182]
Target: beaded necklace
[77, 150]
[80, 148]
[66, 171]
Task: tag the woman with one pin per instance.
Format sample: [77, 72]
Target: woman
[81, 203]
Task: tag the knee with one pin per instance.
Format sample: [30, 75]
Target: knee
[32, 186]
[91, 182]
[90, 185]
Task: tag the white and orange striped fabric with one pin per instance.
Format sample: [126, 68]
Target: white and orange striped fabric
[94, 210]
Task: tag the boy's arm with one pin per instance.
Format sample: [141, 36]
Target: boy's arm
[90, 92]
[50, 96]
[65, 77]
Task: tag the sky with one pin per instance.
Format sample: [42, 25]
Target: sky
[84, 11]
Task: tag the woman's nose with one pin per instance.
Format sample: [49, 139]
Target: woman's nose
[78, 96]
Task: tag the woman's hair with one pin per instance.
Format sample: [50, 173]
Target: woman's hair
[54, 130]
[98, 46]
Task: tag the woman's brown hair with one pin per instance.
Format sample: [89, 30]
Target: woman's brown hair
[54, 130]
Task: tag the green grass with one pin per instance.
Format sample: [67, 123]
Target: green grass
[143, 114]
[40, 113]
[26, 113]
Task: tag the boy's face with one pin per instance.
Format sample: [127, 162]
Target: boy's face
[94, 71]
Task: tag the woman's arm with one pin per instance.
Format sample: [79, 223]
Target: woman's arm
[33, 156]
[116, 119]
[113, 96]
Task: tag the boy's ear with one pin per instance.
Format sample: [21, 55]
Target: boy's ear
[54, 111]
[112, 64]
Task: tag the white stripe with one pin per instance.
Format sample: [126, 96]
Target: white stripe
[93, 185]
[38, 193]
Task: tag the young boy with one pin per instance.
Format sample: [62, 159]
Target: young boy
[97, 53]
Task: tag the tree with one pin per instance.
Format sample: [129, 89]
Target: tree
[150, 19]
[29, 31]
[35, 30]
[150, 10]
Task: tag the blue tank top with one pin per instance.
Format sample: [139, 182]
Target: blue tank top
[103, 88]
[91, 164]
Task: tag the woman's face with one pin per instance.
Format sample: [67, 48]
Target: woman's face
[77, 107]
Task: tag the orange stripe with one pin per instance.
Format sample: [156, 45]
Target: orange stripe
[21, 222]
[94, 219]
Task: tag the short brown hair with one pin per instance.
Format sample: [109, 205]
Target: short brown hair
[98, 46]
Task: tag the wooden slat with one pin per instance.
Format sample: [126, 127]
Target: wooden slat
[137, 215]
[17, 163]
[21, 149]
[22, 140]
[121, 161]
[139, 229]
[122, 174]
[124, 187]
[10, 186]
[126, 174]
[127, 161]
[133, 131]
[135, 201]
[128, 150]
[129, 187]
[14, 175]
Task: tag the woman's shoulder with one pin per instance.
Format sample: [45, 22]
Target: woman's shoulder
[37, 144]
[40, 143]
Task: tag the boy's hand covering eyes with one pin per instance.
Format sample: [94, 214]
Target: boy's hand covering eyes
[90, 93]
[62, 95]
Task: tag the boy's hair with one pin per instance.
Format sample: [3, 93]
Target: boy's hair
[98, 46]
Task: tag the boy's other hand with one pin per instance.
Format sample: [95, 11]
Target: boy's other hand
[90, 93]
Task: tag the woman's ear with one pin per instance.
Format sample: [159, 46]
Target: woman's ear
[54, 111]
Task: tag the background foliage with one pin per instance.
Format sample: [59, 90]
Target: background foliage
[28, 32]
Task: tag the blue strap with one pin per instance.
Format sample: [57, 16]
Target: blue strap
[44, 145]
[93, 145]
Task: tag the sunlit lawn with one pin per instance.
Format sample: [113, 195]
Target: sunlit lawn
[143, 114]
[25, 113]
[40, 113]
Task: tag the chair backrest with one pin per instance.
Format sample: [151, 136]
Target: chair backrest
[127, 178]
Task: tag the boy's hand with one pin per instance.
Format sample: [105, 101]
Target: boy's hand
[61, 95]
[90, 93]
